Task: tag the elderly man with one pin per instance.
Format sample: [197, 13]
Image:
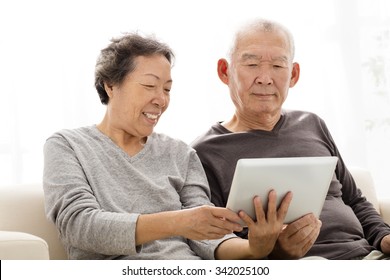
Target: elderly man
[259, 75]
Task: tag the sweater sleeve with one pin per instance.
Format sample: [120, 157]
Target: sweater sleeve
[196, 192]
[72, 206]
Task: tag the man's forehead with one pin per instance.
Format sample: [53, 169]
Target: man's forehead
[244, 56]
[260, 38]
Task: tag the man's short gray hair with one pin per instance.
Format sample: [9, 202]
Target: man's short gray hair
[264, 25]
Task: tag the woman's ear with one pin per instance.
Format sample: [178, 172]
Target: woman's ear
[109, 89]
[223, 70]
[294, 74]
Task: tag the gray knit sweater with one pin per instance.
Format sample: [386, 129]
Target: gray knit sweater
[94, 193]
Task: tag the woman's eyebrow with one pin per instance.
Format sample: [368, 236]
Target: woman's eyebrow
[153, 75]
[156, 77]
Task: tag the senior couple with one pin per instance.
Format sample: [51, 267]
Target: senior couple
[119, 190]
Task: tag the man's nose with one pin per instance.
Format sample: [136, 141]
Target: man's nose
[264, 77]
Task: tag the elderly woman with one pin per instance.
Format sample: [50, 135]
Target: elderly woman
[118, 190]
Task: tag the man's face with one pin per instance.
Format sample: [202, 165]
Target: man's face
[260, 74]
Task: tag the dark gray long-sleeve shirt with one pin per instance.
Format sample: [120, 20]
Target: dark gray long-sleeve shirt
[351, 227]
[94, 193]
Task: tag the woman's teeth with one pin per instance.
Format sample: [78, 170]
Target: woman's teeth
[151, 116]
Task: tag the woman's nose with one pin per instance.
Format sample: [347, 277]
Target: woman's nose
[161, 99]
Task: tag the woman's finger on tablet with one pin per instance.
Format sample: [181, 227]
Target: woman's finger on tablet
[228, 225]
[226, 219]
[246, 218]
[225, 214]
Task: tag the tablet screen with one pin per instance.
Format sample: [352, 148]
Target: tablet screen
[308, 178]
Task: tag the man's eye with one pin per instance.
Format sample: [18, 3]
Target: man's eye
[167, 90]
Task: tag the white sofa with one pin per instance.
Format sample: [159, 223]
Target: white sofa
[23, 223]
[26, 234]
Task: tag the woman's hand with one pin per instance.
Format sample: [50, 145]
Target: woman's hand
[199, 223]
[207, 222]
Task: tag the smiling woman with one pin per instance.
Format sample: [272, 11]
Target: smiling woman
[48, 57]
[103, 179]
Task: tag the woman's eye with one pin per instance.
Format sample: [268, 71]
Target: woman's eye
[148, 86]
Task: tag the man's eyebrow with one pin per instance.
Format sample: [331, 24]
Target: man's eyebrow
[283, 58]
[249, 56]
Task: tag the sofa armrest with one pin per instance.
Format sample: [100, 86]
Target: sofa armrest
[22, 246]
[384, 204]
[22, 209]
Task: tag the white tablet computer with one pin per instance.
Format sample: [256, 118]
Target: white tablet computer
[308, 178]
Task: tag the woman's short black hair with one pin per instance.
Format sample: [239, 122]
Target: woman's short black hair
[118, 59]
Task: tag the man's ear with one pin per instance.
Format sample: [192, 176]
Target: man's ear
[222, 70]
[294, 74]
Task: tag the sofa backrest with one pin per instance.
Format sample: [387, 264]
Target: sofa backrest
[365, 183]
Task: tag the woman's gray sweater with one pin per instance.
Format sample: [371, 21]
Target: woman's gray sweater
[94, 193]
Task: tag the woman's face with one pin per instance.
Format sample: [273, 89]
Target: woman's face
[135, 105]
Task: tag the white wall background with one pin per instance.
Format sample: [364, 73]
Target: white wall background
[48, 51]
